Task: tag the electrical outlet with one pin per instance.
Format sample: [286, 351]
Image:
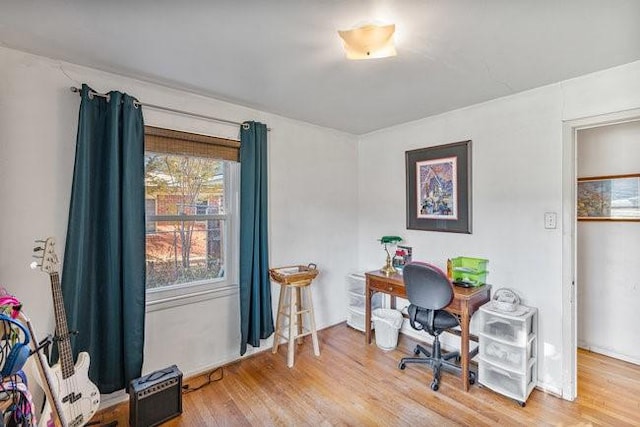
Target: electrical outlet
[550, 220]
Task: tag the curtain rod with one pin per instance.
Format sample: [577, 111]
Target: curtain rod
[172, 110]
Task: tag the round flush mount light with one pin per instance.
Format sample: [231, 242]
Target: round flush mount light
[369, 41]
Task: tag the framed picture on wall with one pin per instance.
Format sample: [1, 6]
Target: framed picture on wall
[438, 183]
[609, 198]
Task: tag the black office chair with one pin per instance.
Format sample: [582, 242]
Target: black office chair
[429, 291]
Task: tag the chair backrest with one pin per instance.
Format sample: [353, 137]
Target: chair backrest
[427, 286]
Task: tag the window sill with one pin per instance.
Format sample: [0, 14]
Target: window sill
[164, 303]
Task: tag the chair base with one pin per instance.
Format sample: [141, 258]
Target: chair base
[437, 361]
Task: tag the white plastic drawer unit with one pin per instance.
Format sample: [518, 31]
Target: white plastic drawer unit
[507, 355]
[356, 286]
[511, 329]
[355, 319]
[356, 283]
[357, 300]
[508, 351]
[506, 382]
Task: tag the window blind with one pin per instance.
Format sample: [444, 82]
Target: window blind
[169, 141]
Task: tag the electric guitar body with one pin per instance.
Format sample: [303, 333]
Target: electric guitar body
[75, 397]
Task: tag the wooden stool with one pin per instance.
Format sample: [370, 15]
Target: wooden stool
[292, 306]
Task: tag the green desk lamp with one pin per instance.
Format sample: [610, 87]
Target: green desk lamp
[388, 269]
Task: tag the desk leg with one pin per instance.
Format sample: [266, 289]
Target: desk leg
[367, 314]
[464, 347]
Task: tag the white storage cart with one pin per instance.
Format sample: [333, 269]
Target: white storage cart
[356, 284]
[508, 351]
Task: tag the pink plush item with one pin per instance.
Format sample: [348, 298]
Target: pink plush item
[7, 300]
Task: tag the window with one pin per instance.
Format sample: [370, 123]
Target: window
[150, 210]
[191, 232]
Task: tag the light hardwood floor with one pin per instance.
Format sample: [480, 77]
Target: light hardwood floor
[354, 384]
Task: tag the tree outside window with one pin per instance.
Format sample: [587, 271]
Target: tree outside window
[186, 245]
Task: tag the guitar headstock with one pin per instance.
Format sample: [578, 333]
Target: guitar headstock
[46, 253]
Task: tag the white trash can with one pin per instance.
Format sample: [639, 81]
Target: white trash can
[387, 324]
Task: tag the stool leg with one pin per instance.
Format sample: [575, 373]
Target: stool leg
[312, 323]
[293, 317]
[300, 307]
[279, 319]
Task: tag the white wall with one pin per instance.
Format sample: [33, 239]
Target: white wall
[312, 208]
[608, 282]
[517, 177]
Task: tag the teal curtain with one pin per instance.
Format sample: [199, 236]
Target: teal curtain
[256, 317]
[103, 278]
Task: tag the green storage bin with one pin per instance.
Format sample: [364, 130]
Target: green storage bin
[471, 270]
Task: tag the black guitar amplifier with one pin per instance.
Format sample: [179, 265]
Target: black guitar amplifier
[155, 398]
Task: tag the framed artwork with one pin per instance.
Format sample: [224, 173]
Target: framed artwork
[439, 188]
[609, 198]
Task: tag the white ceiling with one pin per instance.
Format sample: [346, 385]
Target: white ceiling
[285, 57]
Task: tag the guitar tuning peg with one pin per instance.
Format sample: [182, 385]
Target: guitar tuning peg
[40, 241]
[38, 249]
[34, 265]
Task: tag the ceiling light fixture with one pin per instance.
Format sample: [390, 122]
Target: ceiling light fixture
[369, 41]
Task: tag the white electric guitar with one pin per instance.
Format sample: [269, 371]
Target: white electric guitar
[76, 397]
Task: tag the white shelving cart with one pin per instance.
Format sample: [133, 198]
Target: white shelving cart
[356, 283]
[508, 351]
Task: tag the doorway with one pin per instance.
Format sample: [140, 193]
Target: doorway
[570, 271]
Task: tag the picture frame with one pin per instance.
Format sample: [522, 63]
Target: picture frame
[438, 181]
[609, 198]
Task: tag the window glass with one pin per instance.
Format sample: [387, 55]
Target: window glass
[150, 210]
[187, 223]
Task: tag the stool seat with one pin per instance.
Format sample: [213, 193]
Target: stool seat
[293, 306]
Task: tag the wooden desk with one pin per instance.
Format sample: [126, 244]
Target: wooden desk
[466, 301]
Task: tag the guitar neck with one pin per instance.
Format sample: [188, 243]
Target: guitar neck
[62, 330]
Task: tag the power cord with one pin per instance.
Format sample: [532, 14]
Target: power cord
[187, 389]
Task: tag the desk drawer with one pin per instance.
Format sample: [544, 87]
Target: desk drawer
[387, 287]
[455, 306]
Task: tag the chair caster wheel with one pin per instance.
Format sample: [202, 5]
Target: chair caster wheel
[472, 378]
[416, 351]
[435, 386]
[402, 366]
[522, 404]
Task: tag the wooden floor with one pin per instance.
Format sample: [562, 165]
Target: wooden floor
[354, 384]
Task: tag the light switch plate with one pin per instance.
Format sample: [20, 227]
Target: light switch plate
[550, 220]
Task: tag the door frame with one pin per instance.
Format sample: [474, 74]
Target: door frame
[570, 130]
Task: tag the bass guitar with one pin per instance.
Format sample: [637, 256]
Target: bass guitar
[53, 417]
[76, 397]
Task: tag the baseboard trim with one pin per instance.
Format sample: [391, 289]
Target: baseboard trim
[608, 353]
